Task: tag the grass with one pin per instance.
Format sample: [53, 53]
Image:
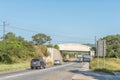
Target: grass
[111, 65]
[49, 63]
[15, 66]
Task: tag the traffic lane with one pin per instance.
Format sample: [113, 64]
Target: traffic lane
[27, 75]
[37, 74]
[59, 73]
[22, 71]
[64, 73]
[2, 74]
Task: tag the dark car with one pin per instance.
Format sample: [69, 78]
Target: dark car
[57, 62]
[37, 63]
[86, 58]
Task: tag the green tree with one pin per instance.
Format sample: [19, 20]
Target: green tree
[93, 48]
[40, 39]
[14, 48]
[56, 47]
[113, 45]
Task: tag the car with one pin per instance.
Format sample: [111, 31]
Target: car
[80, 58]
[57, 62]
[66, 60]
[38, 63]
[86, 58]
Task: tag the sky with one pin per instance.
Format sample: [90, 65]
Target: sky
[66, 21]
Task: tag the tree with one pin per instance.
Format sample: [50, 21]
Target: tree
[113, 45]
[56, 47]
[40, 39]
[93, 48]
[11, 36]
[15, 48]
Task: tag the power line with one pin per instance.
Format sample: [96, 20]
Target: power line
[54, 35]
[23, 29]
[74, 38]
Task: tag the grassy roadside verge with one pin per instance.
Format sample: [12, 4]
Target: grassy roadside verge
[111, 65]
[17, 66]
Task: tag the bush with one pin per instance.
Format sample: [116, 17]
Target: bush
[49, 63]
[5, 58]
[15, 49]
[111, 65]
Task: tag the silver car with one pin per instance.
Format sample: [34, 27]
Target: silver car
[57, 62]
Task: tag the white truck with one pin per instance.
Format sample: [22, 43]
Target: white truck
[80, 58]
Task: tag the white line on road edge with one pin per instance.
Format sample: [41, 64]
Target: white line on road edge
[27, 73]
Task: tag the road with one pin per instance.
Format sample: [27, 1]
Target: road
[69, 71]
[60, 72]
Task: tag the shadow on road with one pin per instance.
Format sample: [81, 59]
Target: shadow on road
[91, 75]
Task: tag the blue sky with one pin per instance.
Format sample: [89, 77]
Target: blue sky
[66, 21]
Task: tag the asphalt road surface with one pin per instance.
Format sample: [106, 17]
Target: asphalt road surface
[59, 72]
[69, 71]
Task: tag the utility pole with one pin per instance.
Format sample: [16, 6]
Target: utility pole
[4, 24]
[104, 51]
[4, 30]
[96, 44]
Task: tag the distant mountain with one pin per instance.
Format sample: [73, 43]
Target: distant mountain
[88, 44]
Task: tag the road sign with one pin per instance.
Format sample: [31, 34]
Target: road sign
[101, 48]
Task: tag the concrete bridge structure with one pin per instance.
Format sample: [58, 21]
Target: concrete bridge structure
[76, 48]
